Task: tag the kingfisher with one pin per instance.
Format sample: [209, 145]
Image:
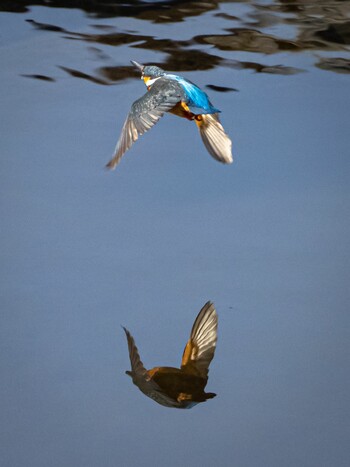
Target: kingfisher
[181, 388]
[172, 93]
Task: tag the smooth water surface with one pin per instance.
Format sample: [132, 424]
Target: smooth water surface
[84, 250]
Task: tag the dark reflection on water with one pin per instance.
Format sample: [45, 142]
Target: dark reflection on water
[180, 388]
[220, 88]
[40, 77]
[248, 40]
[80, 74]
[315, 27]
[158, 12]
[339, 65]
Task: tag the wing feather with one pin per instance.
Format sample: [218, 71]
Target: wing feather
[137, 367]
[145, 113]
[200, 348]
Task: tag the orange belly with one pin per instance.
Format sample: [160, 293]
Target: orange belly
[182, 110]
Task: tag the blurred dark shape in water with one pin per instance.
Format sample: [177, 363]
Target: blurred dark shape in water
[80, 74]
[337, 32]
[249, 40]
[45, 26]
[259, 68]
[220, 88]
[117, 73]
[98, 53]
[180, 388]
[40, 77]
[339, 65]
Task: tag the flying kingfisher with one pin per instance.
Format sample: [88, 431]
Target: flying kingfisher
[179, 96]
[180, 388]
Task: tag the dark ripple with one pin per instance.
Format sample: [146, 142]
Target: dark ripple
[40, 77]
[339, 65]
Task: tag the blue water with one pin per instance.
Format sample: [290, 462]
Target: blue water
[84, 250]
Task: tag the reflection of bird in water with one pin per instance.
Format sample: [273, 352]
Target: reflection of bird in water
[181, 388]
[172, 93]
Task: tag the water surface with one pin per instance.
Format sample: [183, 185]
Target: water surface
[84, 251]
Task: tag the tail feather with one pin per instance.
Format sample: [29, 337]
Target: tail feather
[214, 138]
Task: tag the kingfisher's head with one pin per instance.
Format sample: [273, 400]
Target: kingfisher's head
[149, 73]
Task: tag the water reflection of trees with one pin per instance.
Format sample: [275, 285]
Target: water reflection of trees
[157, 11]
[314, 26]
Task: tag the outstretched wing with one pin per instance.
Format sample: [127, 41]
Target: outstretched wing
[142, 379]
[145, 112]
[200, 348]
[137, 367]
